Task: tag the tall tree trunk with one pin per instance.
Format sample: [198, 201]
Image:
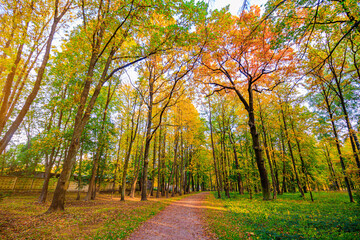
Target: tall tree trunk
[101, 173]
[79, 177]
[136, 170]
[85, 107]
[211, 187]
[163, 188]
[128, 153]
[170, 180]
[265, 185]
[49, 162]
[181, 167]
[94, 171]
[353, 138]
[267, 151]
[126, 164]
[224, 166]
[81, 120]
[44, 190]
[276, 171]
[14, 126]
[188, 181]
[153, 170]
[338, 147]
[101, 143]
[174, 175]
[283, 153]
[291, 154]
[159, 169]
[213, 153]
[148, 137]
[224, 155]
[355, 145]
[331, 168]
[304, 170]
[117, 164]
[237, 166]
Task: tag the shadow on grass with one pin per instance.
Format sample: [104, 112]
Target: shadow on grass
[288, 217]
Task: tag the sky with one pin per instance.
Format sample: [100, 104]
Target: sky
[235, 5]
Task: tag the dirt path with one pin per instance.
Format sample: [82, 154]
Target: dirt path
[179, 220]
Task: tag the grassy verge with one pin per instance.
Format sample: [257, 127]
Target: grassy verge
[289, 217]
[105, 218]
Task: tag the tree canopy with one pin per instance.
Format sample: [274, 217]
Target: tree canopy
[168, 97]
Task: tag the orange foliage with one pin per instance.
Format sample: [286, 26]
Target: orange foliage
[240, 53]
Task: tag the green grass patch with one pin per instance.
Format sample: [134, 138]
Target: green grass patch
[331, 216]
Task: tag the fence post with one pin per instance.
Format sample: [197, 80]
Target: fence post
[32, 183]
[13, 187]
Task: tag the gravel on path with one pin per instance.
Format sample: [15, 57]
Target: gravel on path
[180, 220]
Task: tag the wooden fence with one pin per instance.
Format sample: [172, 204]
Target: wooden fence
[12, 183]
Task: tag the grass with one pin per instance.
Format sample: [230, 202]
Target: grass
[21, 217]
[289, 217]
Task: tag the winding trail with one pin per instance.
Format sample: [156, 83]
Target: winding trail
[180, 220]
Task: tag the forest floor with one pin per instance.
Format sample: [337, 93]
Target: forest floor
[330, 216]
[193, 216]
[21, 217]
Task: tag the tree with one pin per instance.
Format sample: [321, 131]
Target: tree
[59, 11]
[237, 59]
[100, 44]
[164, 76]
[316, 16]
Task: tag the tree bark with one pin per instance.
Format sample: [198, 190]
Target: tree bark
[138, 159]
[291, 154]
[148, 137]
[213, 153]
[267, 151]
[181, 167]
[355, 145]
[128, 153]
[44, 190]
[276, 171]
[79, 177]
[159, 169]
[176, 145]
[81, 120]
[338, 147]
[49, 162]
[237, 166]
[91, 190]
[331, 168]
[284, 188]
[153, 169]
[258, 156]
